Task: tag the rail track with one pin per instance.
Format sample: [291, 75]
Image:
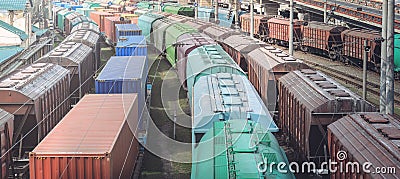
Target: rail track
[350, 79]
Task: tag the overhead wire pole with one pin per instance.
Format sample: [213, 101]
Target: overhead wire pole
[251, 18]
[216, 12]
[365, 59]
[390, 59]
[325, 18]
[236, 14]
[196, 10]
[382, 100]
[291, 29]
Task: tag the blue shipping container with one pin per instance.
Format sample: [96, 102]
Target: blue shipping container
[131, 46]
[124, 74]
[127, 30]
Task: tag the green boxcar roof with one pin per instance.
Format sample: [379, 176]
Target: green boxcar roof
[171, 9]
[227, 137]
[397, 52]
[171, 36]
[208, 59]
[146, 21]
[8, 52]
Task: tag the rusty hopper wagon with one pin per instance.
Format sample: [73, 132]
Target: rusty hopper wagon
[99, 143]
[308, 102]
[6, 132]
[265, 66]
[77, 58]
[366, 137]
[36, 95]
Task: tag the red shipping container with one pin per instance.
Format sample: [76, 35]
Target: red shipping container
[110, 26]
[98, 17]
[94, 140]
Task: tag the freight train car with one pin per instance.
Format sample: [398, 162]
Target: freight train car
[365, 137]
[206, 60]
[145, 23]
[260, 25]
[86, 26]
[238, 46]
[100, 143]
[223, 97]
[172, 35]
[219, 33]
[99, 19]
[38, 97]
[322, 39]
[308, 102]
[6, 133]
[68, 22]
[279, 31]
[186, 43]
[78, 59]
[353, 46]
[235, 149]
[265, 66]
[131, 46]
[91, 39]
[110, 27]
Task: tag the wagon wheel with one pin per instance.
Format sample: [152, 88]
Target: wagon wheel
[262, 35]
[304, 48]
[271, 41]
[333, 55]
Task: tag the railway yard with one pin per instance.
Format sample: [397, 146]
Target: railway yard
[151, 89]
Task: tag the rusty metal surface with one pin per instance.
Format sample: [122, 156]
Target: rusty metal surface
[258, 20]
[219, 33]
[322, 36]
[305, 104]
[99, 17]
[238, 46]
[364, 137]
[355, 49]
[110, 28]
[6, 134]
[189, 42]
[94, 140]
[279, 29]
[76, 57]
[266, 65]
[38, 93]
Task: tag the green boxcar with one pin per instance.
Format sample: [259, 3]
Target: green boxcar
[143, 5]
[180, 10]
[171, 36]
[206, 60]
[92, 5]
[157, 36]
[145, 23]
[61, 18]
[234, 149]
[397, 53]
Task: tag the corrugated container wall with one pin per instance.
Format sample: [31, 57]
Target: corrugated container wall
[124, 74]
[131, 46]
[39, 94]
[110, 28]
[98, 17]
[100, 143]
[6, 133]
[127, 30]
